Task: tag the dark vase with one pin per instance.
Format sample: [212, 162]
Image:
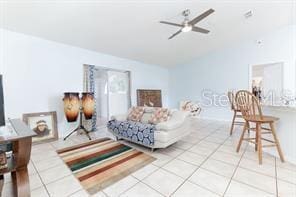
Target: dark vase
[71, 105]
[88, 104]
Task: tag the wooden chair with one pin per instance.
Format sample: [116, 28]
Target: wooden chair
[236, 112]
[252, 113]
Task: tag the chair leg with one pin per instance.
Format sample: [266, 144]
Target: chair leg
[241, 137]
[248, 124]
[259, 143]
[233, 120]
[277, 143]
[256, 140]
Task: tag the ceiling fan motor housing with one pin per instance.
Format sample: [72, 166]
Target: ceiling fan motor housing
[186, 13]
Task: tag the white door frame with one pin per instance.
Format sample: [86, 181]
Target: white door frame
[251, 72]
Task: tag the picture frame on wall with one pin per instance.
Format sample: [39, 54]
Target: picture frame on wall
[44, 124]
[149, 98]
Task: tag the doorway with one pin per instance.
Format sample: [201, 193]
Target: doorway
[112, 93]
[267, 82]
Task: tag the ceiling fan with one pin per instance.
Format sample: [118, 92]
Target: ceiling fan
[188, 25]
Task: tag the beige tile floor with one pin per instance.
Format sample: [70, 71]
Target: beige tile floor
[202, 164]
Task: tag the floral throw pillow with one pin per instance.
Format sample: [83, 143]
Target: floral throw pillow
[136, 114]
[159, 115]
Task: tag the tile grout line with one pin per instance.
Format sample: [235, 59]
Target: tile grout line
[50, 157]
[257, 188]
[176, 157]
[50, 168]
[276, 180]
[159, 167]
[221, 144]
[173, 158]
[58, 179]
[43, 185]
[199, 154]
[69, 195]
[141, 180]
[191, 145]
[74, 192]
[64, 177]
[198, 166]
[256, 160]
[37, 171]
[257, 172]
[82, 189]
[134, 147]
[202, 162]
[237, 166]
[216, 172]
[125, 190]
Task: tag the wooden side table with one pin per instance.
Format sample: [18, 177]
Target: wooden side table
[20, 136]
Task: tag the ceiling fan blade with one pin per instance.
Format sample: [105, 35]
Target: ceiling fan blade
[202, 16]
[169, 23]
[200, 30]
[175, 34]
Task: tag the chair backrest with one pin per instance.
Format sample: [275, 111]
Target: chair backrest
[248, 104]
[231, 99]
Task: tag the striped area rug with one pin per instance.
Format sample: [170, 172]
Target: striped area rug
[100, 163]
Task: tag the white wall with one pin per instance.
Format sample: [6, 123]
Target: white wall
[36, 73]
[228, 69]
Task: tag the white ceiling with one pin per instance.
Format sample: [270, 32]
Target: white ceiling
[131, 29]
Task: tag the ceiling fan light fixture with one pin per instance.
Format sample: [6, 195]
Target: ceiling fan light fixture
[186, 28]
[189, 25]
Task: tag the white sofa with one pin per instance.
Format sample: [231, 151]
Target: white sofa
[166, 133]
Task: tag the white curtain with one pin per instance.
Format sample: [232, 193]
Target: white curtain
[90, 86]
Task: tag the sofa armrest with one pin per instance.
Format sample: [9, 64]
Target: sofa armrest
[120, 117]
[177, 120]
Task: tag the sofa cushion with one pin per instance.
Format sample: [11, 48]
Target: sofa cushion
[176, 120]
[165, 137]
[146, 117]
[149, 109]
[135, 114]
[159, 115]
